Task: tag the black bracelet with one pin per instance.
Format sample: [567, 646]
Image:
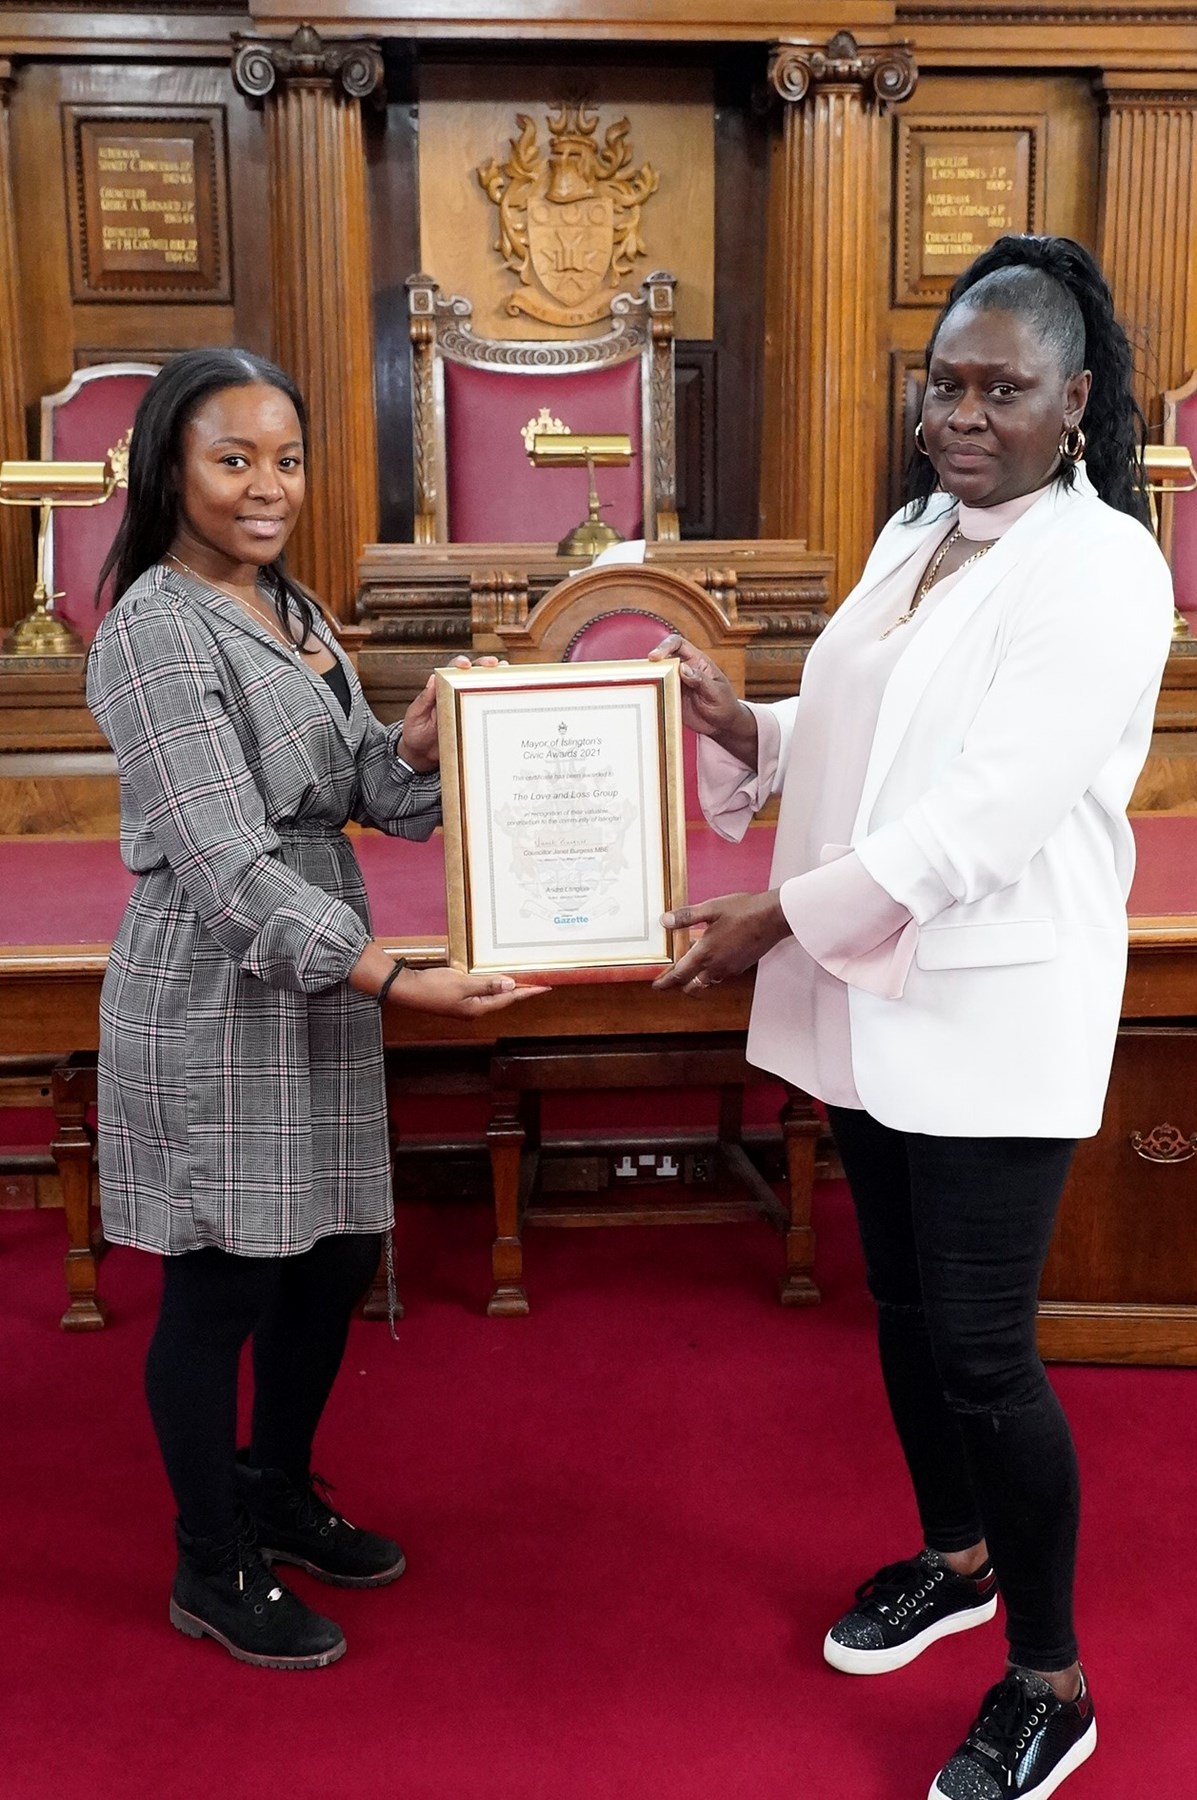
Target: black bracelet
[384, 990]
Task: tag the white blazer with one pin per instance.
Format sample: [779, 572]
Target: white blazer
[1008, 743]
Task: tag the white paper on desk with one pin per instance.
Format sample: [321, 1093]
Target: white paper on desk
[630, 552]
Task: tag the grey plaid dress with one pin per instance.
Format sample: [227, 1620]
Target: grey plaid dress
[241, 1094]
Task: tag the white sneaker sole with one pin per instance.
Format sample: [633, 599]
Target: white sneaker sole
[1081, 1751]
[883, 1662]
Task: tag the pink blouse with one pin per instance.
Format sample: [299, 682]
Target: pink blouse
[802, 984]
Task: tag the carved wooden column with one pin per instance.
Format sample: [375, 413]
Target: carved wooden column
[16, 540]
[320, 272]
[1148, 233]
[824, 388]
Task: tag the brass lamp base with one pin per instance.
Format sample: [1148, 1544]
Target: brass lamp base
[1180, 625]
[42, 633]
[588, 538]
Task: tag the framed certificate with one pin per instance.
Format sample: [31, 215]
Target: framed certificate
[564, 811]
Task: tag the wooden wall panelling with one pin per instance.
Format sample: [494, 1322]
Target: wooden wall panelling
[823, 377]
[249, 181]
[1061, 112]
[1148, 228]
[906, 382]
[742, 162]
[182, 34]
[16, 541]
[1063, 34]
[695, 367]
[392, 142]
[646, 20]
[468, 121]
[320, 256]
[62, 333]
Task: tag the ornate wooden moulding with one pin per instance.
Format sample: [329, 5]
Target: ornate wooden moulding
[646, 20]
[424, 603]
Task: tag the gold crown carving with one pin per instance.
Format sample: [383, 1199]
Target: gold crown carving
[569, 218]
[118, 459]
[544, 424]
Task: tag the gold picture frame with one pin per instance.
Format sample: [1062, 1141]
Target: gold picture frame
[564, 817]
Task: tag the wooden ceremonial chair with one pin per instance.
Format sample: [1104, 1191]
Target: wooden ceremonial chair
[1178, 511]
[477, 402]
[608, 614]
[89, 420]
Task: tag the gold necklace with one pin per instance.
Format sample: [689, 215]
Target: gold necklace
[251, 607]
[928, 582]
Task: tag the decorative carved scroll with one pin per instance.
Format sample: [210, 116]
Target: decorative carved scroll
[884, 73]
[262, 64]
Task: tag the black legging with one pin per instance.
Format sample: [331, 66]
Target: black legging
[298, 1309]
[955, 1234]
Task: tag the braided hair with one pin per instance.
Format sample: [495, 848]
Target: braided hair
[148, 528]
[1057, 286]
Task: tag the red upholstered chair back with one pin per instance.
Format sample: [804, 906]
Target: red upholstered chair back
[476, 403]
[496, 495]
[622, 637]
[87, 421]
[623, 610]
[1179, 511]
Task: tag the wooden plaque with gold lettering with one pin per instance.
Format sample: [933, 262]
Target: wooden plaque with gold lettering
[962, 184]
[147, 201]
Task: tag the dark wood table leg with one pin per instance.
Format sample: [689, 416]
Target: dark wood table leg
[800, 1131]
[505, 1138]
[73, 1092]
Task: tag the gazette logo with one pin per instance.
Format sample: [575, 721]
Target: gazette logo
[569, 218]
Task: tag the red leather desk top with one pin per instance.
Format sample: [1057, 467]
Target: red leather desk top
[60, 891]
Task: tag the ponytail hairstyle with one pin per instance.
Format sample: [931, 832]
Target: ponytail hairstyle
[1057, 286]
[151, 519]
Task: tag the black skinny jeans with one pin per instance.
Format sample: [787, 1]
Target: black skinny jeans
[955, 1234]
[298, 1310]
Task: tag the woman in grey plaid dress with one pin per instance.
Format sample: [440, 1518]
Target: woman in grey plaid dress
[242, 1106]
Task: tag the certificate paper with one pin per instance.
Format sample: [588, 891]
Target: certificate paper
[564, 824]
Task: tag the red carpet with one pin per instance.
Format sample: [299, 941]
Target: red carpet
[629, 1520]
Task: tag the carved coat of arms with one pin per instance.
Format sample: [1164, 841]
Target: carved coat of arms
[569, 218]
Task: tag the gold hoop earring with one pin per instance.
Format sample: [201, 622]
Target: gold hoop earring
[1072, 444]
[920, 441]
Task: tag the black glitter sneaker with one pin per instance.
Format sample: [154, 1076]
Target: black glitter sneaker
[1024, 1744]
[297, 1525]
[225, 1591]
[906, 1607]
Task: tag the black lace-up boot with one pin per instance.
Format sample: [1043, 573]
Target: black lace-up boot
[904, 1608]
[1025, 1742]
[297, 1525]
[225, 1590]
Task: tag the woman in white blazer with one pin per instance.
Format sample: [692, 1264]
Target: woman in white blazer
[943, 947]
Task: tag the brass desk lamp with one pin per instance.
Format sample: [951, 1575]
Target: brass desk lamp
[1169, 470]
[47, 485]
[572, 450]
